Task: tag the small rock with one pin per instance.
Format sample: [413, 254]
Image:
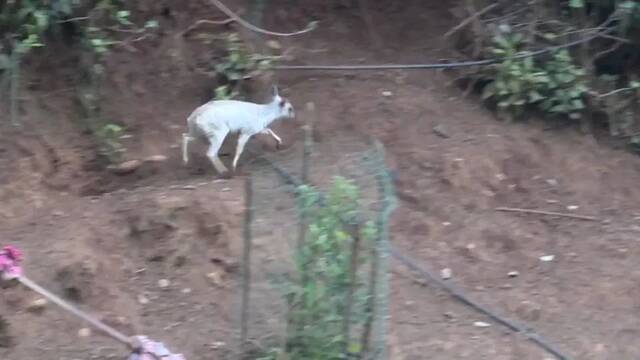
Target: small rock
[84, 332]
[446, 223]
[273, 44]
[528, 311]
[143, 300]
[489, 193]
[126, 167]
[215, 278]
[471, 246]
[501, 177]
[572, 207]
[387, 93]
[218, 345]
[481, 324]
[57, 213]
[449, 315]
[156, 158]
[445, 274]
[37, 306]
[186, 291]
[513, 273]
[552, 182]
[441, 131]
[163, 283]
[547, 258]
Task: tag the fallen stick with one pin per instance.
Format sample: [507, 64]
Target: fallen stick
[468, 20]
[550, 213]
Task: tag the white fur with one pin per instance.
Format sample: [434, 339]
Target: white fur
[216, 119]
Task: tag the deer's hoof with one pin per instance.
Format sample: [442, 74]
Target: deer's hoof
[226, 175]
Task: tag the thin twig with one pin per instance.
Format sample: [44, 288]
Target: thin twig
[468, 20]
[222, 7]
[15, 87]
[246, 259]
[371, 28]
[353, 269]
[79, 18]
[613, 92]
[602, 53]
[127, 31]
[372, 295]
[204, 21]
[550, 213]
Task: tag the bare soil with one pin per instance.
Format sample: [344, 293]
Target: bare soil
[104, 240]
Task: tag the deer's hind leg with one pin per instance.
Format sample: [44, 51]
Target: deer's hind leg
[242, 141]
[215, 142]
[186, 139]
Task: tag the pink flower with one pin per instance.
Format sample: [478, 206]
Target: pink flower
[10, 258]
[152, 350]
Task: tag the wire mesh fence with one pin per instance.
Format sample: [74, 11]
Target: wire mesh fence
[315, 272]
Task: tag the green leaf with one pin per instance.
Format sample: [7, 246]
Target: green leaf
[5, 62]
[627, 5]
[355, 348]
[489, 91]
[42, 20]
[151, 24]
[577, 104]
[576, 4]
[535, 96]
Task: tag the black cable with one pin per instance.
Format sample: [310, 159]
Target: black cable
[427, 275]
[460, 296]
[454, 64]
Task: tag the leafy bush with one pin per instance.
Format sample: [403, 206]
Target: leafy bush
[239, 64]
[517, 82]
[555, 86]
[110, 135]
[564, 86]
[223, 92]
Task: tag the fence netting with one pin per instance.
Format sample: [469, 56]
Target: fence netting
[315, 282]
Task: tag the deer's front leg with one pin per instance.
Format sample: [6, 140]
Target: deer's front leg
[270, 132]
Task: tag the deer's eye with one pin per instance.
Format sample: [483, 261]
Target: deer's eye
[282, 103]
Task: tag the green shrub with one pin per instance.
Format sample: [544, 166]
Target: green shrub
[516, 82]
[555, 86]
[321, 296]
[240, 64]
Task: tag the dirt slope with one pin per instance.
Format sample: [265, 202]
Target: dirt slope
[112, 249]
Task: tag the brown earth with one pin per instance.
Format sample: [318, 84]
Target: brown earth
[105, 240]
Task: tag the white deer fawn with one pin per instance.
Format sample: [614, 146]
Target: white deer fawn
[216, 119]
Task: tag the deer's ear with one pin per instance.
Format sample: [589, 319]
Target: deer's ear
[275, 90]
